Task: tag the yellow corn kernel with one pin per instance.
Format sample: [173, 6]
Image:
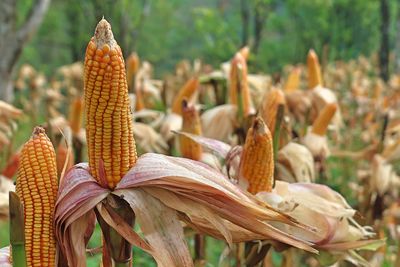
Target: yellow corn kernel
[257, 160]
[132, 66]
[238, 83]
[321, 123]
[314, 70]
[293, 81]
[186, 92]
[76, 115]
[191, 124]
[269, 108]
[37, 187]
[109, 132]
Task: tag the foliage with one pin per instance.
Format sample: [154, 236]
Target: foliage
[164, 32]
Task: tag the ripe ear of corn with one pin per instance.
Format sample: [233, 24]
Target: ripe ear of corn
[139, 102]
[76, 115]
[314, 70]
[238, 83]
[293, 81]
[108, 116]
[191, 124]
[321, 123]
[257, 160]
[245, 52]
[269, 108]
[132, 66]
[37, 186]
[186, 92]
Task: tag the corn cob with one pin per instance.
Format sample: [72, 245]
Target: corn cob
[139, 102]
[238, 83]
[245, 52]
[293, 81]
[257, 161]
[132, 66]
[191, 124]
[108, 117]
[186, 92]
[76, 115]
[321, 123]
[314, 70]
[37, 187]
[269, 108]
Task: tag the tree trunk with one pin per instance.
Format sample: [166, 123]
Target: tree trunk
[13, 40]
[260, 16]
[384, 49]
[245, 13]
[397, 47]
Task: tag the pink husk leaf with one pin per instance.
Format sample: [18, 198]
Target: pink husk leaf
[204, 185]
[161, 228]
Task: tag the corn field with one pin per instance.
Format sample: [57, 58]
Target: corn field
[103, 163]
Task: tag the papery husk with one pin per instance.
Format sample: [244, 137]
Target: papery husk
[391, 144]
[6, 185]
[383, 177]
[295, 163]
[259, 84]
[189, 179]
[219, 122]
[74, 218]
[160, 190]
[218, 152]
[317, 144]
[9, 111]
[299, 104]
[5, 257]
[171, 122]
[148, 140]
[324, 208]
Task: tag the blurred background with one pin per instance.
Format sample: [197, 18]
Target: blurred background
[163, 32]
[357, 45]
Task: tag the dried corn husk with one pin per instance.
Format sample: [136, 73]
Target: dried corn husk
[6, 185]
[317, 144]
[148, 140]
[219, 122]
[295, 164]
[383, 177]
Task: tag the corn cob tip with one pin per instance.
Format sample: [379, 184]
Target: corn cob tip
[37, 131]
[259, 126]
[321, 123]
[103, 34]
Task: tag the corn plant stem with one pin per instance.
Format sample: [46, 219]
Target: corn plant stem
[239, 254]
[17, 230]
[199, 247]
[118, 248]
[241, 132]
[277, 130]
[254, 254]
